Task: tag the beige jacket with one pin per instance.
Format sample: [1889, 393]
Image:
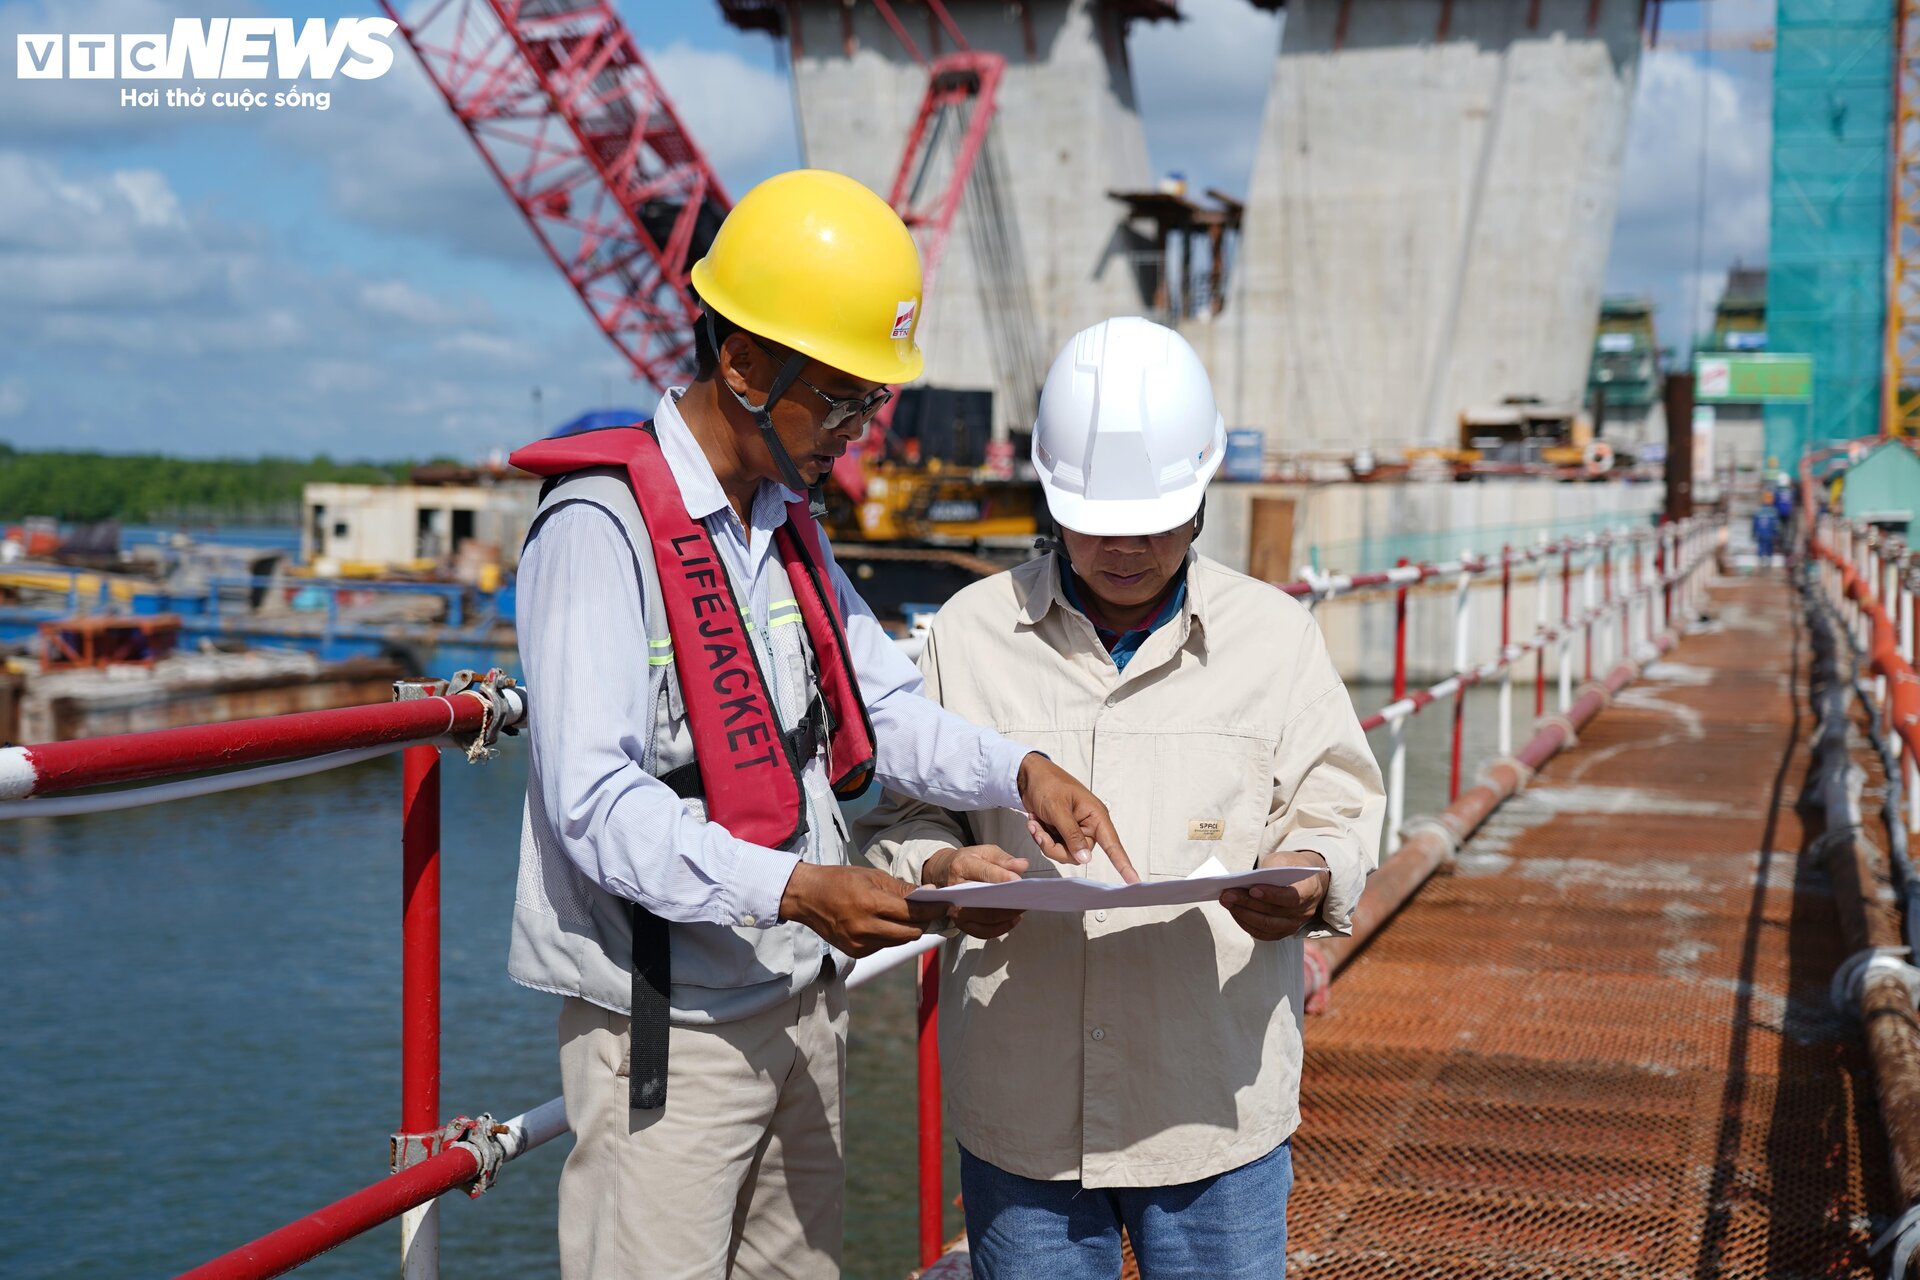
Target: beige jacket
[1141, 1046]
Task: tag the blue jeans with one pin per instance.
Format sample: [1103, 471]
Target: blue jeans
[1232, 1226]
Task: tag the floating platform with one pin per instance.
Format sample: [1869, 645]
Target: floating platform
[184, 689]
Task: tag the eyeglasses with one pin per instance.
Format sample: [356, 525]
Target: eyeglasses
[841, 409]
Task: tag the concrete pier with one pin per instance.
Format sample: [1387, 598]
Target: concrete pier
[1428, 219]
[1068, 131]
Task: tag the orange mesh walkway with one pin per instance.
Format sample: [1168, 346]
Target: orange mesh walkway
[1601, 1046]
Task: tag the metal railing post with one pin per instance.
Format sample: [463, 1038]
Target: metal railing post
[1592, 598]
[1566, 626]
[1462, 624]
[1539, 630]
[1506, 656]
[1623, 594]
[1642, 592]
[1907, 646]
[1670, 565]
[1861, 558]
[932, 1194]
[1397, 758]
[420, 989]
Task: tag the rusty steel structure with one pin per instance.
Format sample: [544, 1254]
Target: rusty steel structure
[574, 125]
[584, 140]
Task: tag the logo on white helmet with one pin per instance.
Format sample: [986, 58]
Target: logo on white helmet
[903, 318]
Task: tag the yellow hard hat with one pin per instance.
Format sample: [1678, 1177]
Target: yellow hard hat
[814, 261]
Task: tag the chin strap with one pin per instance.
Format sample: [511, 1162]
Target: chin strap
[763, 418]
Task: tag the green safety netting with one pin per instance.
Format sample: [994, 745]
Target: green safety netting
[1826, 278]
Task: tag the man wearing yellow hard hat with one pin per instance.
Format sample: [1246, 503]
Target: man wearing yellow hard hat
[709, 685]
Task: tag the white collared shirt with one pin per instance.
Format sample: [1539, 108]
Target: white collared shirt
[583, 647]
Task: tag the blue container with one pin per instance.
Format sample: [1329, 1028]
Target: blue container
[1246, 455]
[148, 603]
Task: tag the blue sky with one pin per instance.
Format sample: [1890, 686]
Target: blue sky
[352, 281]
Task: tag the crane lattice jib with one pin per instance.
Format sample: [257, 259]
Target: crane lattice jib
[582, 137]
[944, 144]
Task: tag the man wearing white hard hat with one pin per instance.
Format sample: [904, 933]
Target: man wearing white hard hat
[1137, 1068]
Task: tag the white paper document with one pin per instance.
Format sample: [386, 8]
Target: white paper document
[1057, 893]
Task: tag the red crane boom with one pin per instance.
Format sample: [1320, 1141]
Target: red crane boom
[578, 130]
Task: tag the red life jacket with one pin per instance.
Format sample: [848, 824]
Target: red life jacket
[750, 776]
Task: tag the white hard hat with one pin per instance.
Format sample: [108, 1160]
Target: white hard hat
[1128, 434]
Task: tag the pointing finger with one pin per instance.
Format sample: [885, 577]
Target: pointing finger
[1109, 841]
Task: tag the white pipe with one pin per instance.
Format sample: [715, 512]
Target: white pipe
[420, 1242]
[1506, 708]
[188, 788]
[1566, 639]
[534, 1128]
[17, 778]
[867, 968]
[1462, 614]
[1397, 783]
[1540, 610]
[1590, 587]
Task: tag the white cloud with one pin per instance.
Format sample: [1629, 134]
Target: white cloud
[148, 195]
[88, 112]
[163, 321]
[402, 301]
[739, 113]
[1692, 121]
[500, 350]
[162, 334]
[396, 159]
[118, 240]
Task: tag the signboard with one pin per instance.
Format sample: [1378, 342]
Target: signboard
[1704, 487]
[1771, 378]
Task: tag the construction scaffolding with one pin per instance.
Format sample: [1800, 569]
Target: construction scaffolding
[1827, 292]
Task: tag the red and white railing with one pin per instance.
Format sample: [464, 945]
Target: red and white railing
[1642, 579]
[1634, 586]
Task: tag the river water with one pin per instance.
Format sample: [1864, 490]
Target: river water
[199, 1026]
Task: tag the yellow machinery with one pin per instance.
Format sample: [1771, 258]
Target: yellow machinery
[1523, 430]
[935, 504]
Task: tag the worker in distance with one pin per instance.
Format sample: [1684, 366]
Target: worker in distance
[1137, 1068]
[709, 686]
